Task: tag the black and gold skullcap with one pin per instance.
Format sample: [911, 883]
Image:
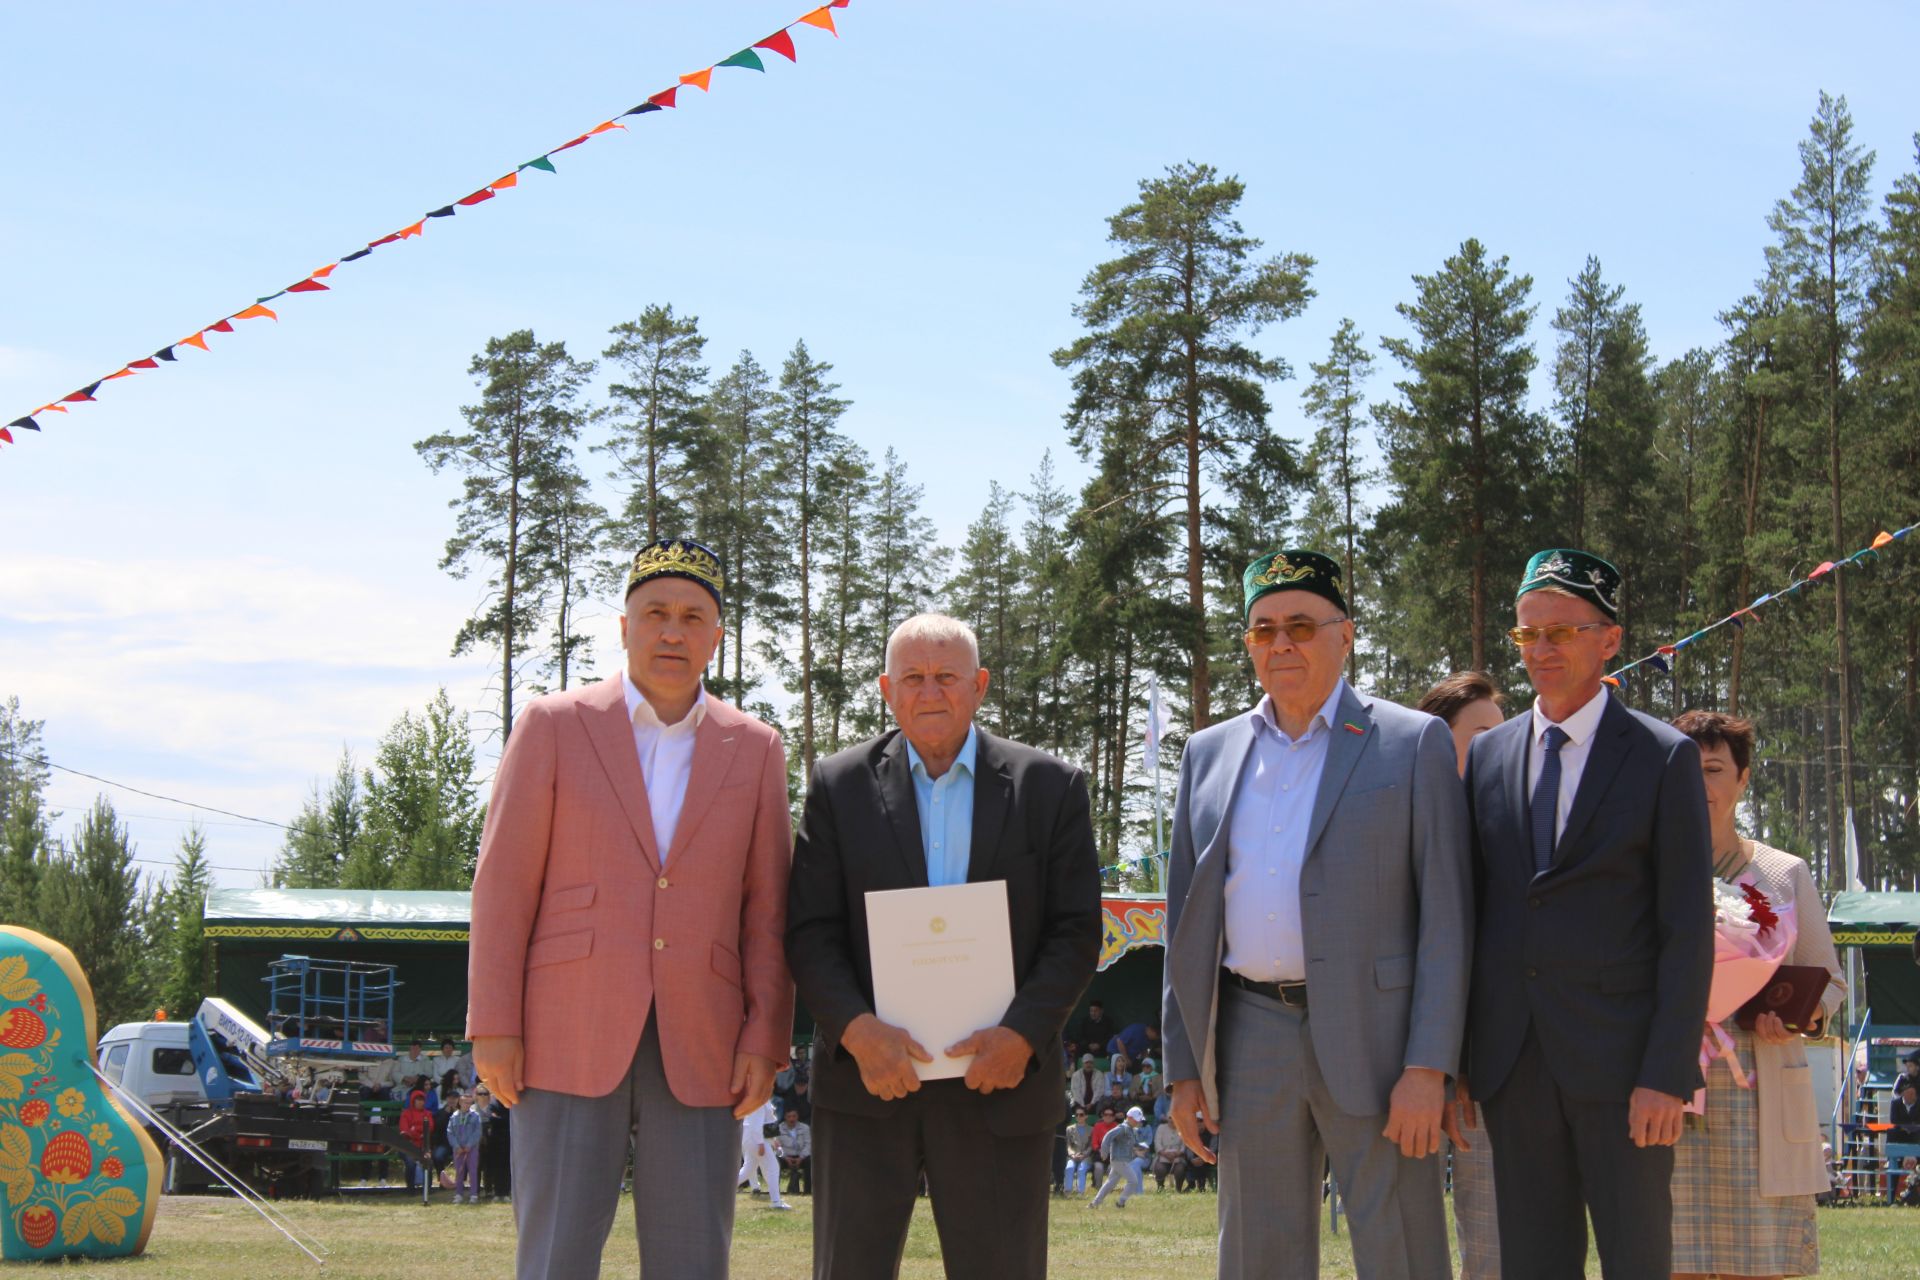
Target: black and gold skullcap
[1293, 571]
[679, 558]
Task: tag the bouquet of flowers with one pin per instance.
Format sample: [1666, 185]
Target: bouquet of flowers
[1751, 937]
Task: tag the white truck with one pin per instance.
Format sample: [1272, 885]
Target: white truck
[213, 1079]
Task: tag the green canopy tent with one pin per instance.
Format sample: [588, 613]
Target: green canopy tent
[422, 934]
[1883, 926]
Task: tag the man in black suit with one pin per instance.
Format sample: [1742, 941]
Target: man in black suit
[893, 813]
[1594, 953]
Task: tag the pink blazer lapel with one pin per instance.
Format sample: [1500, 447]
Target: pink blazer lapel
[604, 712]
[713, 746]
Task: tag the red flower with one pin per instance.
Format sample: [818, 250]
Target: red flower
[112, 1167]
[34, 1111]
[1759, 908]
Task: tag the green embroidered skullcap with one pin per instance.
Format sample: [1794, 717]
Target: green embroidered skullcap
[1293, 571]
[1578, 573]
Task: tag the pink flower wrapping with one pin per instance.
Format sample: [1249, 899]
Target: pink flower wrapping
[1745, 954]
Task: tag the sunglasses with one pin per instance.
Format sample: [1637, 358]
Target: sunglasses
[1298, 630]
[1560, 633]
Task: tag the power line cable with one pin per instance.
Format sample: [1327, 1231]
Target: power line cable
[151, 795]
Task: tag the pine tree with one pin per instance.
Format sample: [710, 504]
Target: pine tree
[521, 429]
[323, 836]
[656, 416]
[183, 979]
[848, 652]
[1336, 399]
[25, 844]
[91, 900]
[1165, 351]
[568, 526]
[984, 592]
[423, 814]
[731, 471]
[1463, 455]
[1038, 687]
[804, 419]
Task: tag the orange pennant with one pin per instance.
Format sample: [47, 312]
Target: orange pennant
[124, 373]
[323, 272]
[605, 125]
[511, 180]
[821, 18]
[255, 312]
[196, 340]
[700, 80]
[49, 408]
[414, 230]
[1881, 539]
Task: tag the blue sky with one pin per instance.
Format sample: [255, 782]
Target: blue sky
[221, 573]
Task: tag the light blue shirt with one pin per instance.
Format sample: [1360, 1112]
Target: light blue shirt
[1267, 844]
[946, 813]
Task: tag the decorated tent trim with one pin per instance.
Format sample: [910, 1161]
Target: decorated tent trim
[1663, 658]
[317, 281]
[1127, 923]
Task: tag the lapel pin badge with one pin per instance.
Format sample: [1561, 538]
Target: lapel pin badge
[1351, 727]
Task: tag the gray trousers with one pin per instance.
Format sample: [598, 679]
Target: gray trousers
[568, 1154]
[1278, 1127]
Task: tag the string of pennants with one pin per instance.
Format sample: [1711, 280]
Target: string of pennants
[748, 59]
[1662, 659]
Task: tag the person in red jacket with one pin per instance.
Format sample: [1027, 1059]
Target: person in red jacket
[416, 1125]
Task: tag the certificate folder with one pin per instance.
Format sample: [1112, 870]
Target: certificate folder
[942, 965]
[1793, 992]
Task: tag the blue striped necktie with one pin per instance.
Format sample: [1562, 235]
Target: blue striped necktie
[1546, 800]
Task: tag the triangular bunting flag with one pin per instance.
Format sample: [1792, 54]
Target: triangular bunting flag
[323, 272]
[51, 408]
[745, 58]
[781, 43]
[196, 340]
[1881, 539]
[6, 435]
[444, 211]
[821, 18]
[85, 393]
[605, 126]
[374, 244]
[307, 286]
[25, 423]
[255, 312]
[1659, 664]
[226, 326]
[124, 373]
[540, 162]
[1612, 680]
[641, 110]
[701, 80]
[664, 98]
[1667, 649]
[484, 193]
[562, 147]
[1826, 566]
[358, 254]
[144, 364]
[839, 4]
[165, 353]
[407, 233]
[501, 184]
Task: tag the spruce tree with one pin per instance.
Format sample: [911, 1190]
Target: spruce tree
[656, 417]
[1165, 353]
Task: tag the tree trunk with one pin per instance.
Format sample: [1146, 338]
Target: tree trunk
[1752, 503]
[806, 593]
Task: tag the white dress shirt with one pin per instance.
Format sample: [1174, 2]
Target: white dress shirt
[1579, 728]
[1267, 844]
[666, 759]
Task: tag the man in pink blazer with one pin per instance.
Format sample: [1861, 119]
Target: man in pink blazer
[626, 969]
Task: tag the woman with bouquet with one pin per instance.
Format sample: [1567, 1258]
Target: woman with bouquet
[1744, 1181]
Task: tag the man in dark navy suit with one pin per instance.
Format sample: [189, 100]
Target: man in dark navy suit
[1593, 866]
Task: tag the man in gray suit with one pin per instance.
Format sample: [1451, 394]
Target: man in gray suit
[1316, 980]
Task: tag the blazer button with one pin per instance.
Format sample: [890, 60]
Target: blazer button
[661, 883]
[1531, 971]
[659, 944]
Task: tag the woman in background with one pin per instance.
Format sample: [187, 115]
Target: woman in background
[1744, 1183]
[1470, 705]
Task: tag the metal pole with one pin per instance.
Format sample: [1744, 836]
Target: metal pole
[1159, 841]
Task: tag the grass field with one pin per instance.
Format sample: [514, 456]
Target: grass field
[384, 1236]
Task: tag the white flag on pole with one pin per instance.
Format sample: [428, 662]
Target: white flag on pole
[1853, 858]
[1158, 719]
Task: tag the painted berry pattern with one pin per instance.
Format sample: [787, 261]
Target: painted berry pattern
[64, 1151]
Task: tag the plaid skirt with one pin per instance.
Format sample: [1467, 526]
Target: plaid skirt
[1721, 1222]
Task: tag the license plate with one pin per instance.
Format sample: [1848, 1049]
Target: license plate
[306, 1144]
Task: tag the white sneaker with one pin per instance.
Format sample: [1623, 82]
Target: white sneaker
[459, 1199]
[781, 1204]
